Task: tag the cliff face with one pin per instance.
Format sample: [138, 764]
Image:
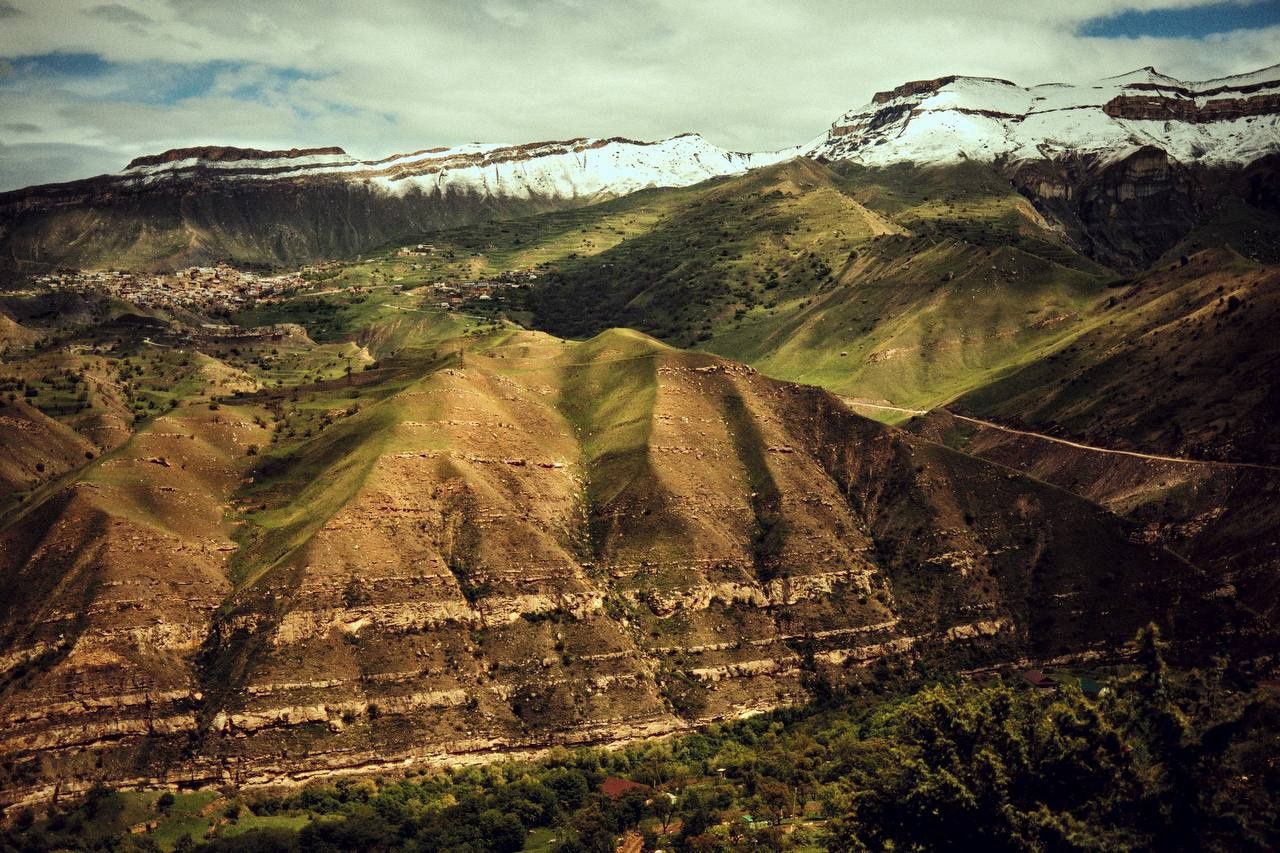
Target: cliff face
[1129, 210]
[1127, 167]
[1161, 108]
[1125, 212]
[223, 153]
[548, 545]
[196, 205]
[1231, 122]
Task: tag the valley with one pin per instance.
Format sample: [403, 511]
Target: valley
[315, 468]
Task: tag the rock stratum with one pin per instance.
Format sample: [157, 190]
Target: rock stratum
[527, 544]
[215, 203]
[1233, 120]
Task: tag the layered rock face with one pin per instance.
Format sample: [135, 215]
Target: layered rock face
[196, 205]
[111, 584]
[1234, 120]
[212, 203]
[546, 544]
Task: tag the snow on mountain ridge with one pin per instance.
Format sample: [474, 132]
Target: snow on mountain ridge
[573, 168]
[1230, 120]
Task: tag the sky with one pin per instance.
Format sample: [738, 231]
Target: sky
[85, 86]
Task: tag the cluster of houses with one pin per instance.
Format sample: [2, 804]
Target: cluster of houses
[195, 288]
[454, 295]
[418, 251]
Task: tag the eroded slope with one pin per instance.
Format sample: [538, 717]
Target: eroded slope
[525, 543]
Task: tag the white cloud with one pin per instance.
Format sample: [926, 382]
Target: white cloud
[748, 74]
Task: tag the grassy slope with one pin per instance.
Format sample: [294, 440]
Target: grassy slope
[1177, 361]
[916, 287]
[903, 284]
[932, 281]
[921, 329]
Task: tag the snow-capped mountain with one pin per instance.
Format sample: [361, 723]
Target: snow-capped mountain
[1076, 151]
[1233, 120]
[193, 205]
[573, 169]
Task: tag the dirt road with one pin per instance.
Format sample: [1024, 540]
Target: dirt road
[1154, 457]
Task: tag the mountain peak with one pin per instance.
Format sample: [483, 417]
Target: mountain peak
[920, 87]
[951, 118]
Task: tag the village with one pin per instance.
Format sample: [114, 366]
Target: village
[213, 289]
[481, 295]
[223, 289]
[484, 295]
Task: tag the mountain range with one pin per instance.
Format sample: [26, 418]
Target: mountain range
[1073, 150]
[581, 442]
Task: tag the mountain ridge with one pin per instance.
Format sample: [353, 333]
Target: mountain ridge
[986, 118]
[1140, 140]
[1146, 79]
[528, 544]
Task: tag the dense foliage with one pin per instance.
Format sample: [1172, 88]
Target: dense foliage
[1161, 760]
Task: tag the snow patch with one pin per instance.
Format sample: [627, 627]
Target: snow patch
[978, 118]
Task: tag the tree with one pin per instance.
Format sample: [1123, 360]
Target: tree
[593, 832]
[503, 832]
[663, 809]
[776, 798]
[569, 786]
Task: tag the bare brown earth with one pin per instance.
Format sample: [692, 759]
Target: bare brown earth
[13, 333]
[110, 586]
[543, 543]
[1223, 517]
[35, 448]
[1178, 362]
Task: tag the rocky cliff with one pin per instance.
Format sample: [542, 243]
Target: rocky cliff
[195, 205]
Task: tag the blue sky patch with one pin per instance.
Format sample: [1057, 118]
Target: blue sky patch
[1195, 22]
[60, 65]
[155, 83]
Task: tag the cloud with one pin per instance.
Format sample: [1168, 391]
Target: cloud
[118, 14]
[21, 127]
[401, 75]
[30, 164]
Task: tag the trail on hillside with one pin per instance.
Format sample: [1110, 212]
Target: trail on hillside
[1154, 457]
[441, 312]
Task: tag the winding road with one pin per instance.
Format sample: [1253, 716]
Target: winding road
[1153, 457]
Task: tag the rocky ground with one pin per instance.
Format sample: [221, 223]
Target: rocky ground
[537, 543]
